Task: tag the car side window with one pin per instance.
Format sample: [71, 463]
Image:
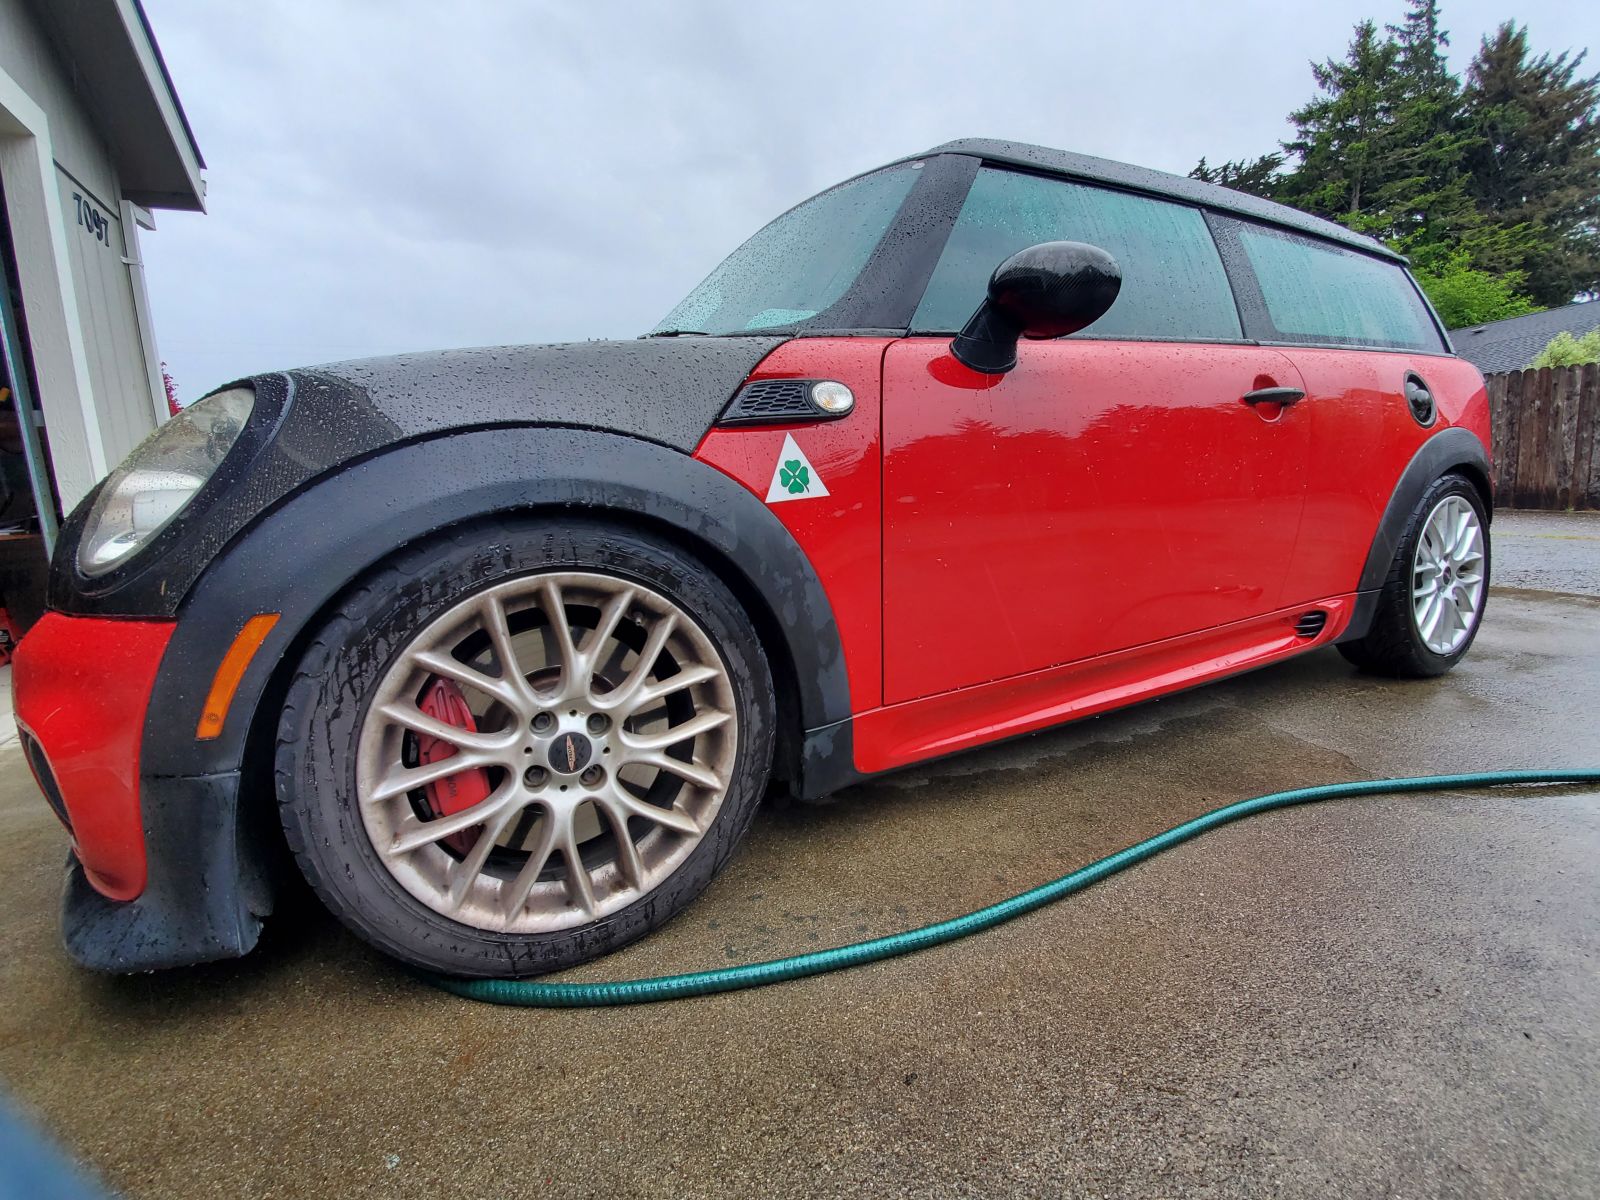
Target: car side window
[1318, 292]
[1173, 283]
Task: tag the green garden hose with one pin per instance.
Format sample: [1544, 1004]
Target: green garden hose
[536, 994]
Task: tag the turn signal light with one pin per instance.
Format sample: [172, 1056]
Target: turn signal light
[225, 683]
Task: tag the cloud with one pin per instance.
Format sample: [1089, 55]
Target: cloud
[405, 175]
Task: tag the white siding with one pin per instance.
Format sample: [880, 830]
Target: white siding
[118, 373]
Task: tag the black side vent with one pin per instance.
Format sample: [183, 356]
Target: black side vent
[773, 402]
[1310, 623]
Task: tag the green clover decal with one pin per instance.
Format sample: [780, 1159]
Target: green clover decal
[794, 476]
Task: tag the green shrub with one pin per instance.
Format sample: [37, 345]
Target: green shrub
[1464, 295]
[1565, 350]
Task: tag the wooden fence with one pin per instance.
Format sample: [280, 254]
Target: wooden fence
[1546, 429]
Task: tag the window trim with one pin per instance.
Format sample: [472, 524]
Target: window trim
[1253, 311]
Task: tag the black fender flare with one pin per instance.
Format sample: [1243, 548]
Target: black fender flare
[1448, 450]
[296, 558]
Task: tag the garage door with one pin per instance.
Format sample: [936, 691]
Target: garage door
[117, 369]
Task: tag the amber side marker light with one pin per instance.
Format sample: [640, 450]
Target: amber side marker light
[229, 672]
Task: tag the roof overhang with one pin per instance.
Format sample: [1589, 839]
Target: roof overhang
[114, 65]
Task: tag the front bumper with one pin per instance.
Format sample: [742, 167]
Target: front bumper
[161, 872]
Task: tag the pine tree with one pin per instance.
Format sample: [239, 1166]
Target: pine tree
[1344, 140]
[1535, 161]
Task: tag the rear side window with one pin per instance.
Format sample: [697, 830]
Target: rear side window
[1318, 292]
[1173, 284]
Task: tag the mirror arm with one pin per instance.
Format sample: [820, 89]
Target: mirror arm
[988, 342]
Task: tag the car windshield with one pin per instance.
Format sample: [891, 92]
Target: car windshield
[797, 266]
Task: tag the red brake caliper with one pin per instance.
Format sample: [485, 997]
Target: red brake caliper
[442, 700]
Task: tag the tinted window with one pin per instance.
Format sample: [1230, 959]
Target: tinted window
[1317, 292]
[798, 265]
[1173, 285]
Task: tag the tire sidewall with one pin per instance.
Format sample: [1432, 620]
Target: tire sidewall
[321, 728]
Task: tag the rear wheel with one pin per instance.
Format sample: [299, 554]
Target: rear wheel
[517, 750]
[1432, 601]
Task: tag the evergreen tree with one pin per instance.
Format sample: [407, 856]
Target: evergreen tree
[1535, 161]
[1258, 176]
[1492, 189]
[1344, 144]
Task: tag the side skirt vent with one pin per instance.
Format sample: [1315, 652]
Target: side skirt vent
[1310, 623]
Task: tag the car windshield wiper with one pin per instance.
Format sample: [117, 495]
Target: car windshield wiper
[680, 333]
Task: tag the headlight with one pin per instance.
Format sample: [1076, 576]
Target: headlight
[162, 475]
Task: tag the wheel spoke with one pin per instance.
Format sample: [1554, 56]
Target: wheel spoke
[555, 611]
[515, 896]
[595, 644]
[695, 772]
[492, 613]
[624, 696]
[1436, 608]
[580, 888]
[669, 818]
[465, 872]
[413, 834]
[686, 678]
[628, 860]
[414, 719]
[447, 667]
[693, 727]
[402, 779]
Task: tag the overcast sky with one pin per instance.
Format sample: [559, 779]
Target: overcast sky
[391, 175]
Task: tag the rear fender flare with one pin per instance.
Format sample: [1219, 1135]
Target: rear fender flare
[1454, 449]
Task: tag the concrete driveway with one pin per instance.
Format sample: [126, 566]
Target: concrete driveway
[1370, 997]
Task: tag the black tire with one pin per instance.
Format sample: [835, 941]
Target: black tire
[1393, 645]
[370, 626]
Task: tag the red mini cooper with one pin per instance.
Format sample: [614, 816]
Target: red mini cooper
[511, 642]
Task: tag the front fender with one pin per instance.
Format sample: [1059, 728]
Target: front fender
[298, 557]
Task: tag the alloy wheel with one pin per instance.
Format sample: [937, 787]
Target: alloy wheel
[1447, 576]
[600, 746]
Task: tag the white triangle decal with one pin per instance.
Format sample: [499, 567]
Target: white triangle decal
[793, 476]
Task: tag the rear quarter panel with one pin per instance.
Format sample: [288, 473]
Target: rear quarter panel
[1363, 436]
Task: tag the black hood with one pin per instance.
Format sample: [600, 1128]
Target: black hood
[666, 389]
[311, 421]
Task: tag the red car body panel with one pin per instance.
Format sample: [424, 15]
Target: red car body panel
[1108, 522]
[82, 687]
[902, 734]
[1362, 438]
[841, 533]
[1100, 496]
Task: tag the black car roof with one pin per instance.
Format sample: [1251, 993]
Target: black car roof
[1158, 183]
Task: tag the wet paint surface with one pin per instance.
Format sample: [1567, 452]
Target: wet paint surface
[1103, 495]
[840, 533]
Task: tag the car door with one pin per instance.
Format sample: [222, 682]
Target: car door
[1115, 488]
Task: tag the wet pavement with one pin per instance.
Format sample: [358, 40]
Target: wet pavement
[1368, 997]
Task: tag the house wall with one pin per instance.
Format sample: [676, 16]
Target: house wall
[95, 367]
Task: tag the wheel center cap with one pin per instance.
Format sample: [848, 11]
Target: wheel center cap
[570, 753]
